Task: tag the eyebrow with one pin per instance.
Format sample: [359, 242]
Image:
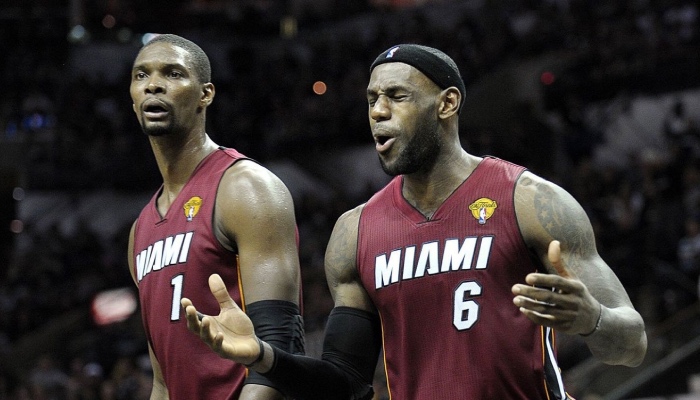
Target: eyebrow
[392, 88]
[160, 66]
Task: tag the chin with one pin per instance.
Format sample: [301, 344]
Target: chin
[156, 130]
[388, 169]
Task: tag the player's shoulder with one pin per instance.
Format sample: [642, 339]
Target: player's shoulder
[249, 175]
[346, 228]
[531, 185]
[352, 216]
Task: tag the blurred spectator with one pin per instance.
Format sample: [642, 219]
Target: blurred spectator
[689, 249]
[681, 131]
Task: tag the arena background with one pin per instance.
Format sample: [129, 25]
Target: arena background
[600, 97]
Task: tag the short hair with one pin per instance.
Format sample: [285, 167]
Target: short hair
[200, 60]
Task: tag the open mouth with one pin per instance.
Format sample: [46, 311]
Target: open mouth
[383, 142]
[382, 139]
[155, 110]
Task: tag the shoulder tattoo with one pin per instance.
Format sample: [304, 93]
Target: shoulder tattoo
[341, 253]
[563, 220]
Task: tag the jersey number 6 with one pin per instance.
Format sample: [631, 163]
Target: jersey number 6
[466, 310]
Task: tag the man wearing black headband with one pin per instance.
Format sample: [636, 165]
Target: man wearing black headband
[460, 269]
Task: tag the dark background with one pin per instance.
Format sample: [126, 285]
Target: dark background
[600, 97]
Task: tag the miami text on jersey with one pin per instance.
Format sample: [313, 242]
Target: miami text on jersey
[431, 259]
[169, 251]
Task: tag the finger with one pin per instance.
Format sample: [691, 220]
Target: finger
[554, 256]
[218, 289]
[191, 315]
[208, 332]
[535, 316]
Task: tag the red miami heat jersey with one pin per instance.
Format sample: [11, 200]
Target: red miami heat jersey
[173, 258]
[442, 287]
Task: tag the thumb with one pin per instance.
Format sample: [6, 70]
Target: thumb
[554, 256]
[218, 289]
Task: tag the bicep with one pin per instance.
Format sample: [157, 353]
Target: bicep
[256, 212]
[547, 212]
[341, 264]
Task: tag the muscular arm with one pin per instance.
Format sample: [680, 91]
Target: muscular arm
[255, 213]
[341, 264]
[586, 289]
[159, 391]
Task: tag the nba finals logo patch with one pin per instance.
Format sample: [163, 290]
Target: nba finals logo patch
[192, 207]
[482, 209]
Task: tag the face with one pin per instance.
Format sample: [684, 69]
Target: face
[403, 118]
[167, 95]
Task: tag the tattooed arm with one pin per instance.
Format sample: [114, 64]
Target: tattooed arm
[580, 294]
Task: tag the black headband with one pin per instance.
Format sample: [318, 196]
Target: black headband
[426, 60]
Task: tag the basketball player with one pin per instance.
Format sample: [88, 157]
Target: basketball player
[461, 268]
[216, 212]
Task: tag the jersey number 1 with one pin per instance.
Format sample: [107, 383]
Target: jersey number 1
[176, 283]
[466, 310]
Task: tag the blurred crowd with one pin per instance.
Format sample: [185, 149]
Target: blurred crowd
[77, 133]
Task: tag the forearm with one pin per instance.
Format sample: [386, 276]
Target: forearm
[306, 378]
[620, 338]
[277, 324]
[347, 366]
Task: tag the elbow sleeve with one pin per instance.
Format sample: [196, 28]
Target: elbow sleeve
[280, 324]
[346, 370]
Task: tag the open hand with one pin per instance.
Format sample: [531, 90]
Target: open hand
[231, 333]
[559, 301]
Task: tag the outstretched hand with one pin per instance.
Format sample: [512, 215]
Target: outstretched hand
[231, 333]
[559, 301]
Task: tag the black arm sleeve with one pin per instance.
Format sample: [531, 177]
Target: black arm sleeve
[346, 370]
[278, 323]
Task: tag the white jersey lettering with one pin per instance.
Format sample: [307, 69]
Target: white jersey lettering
[387, 272]
[433, 258]
[163, 253]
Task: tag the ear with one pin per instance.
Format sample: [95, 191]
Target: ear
[450, 99]
[133, 106]
[208, 92]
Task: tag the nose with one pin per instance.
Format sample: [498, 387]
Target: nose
[155, 86]
[379, 111]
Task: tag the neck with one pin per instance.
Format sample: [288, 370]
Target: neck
[178, 156]
[426, 191]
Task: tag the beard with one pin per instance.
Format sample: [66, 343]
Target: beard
[419, 154]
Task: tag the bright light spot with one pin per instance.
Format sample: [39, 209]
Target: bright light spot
[77, 34]
[113, 305]
[319, 87]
